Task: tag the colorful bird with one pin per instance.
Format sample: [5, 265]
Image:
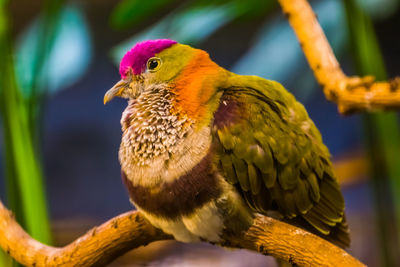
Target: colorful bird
[204, 150]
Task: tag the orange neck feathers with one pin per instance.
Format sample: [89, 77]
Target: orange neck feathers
[196, 86]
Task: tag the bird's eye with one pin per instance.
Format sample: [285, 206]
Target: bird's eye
[153, 64]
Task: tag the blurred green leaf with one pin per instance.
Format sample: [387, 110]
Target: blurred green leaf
[22, 159]
[5, 259]
[192, 22]
[23, 168]
[3, 256]
[129, 12]
[383, 135]
[379, 8]
[251, 9]
[187, 26]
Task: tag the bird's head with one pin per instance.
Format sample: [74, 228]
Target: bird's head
[189, 73]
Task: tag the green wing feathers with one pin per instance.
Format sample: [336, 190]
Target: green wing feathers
[267, 147]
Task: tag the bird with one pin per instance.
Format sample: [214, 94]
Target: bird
[204, 151]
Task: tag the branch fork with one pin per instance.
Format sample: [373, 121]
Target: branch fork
[351, 94]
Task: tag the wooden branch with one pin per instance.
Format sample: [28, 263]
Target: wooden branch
[295, 245]
[103, 244]
[97, 247]
[349, 93]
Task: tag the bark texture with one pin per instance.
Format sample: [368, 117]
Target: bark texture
[105, 243]
[349, 93]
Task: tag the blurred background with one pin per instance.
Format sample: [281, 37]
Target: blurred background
[59, 169]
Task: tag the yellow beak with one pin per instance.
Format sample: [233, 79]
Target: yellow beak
[116, 90]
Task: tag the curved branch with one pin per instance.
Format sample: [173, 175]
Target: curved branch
[97, 247]
[349, 93]
[287, 242]
[105, 243]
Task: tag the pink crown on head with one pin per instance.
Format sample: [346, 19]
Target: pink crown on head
[137, 57]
